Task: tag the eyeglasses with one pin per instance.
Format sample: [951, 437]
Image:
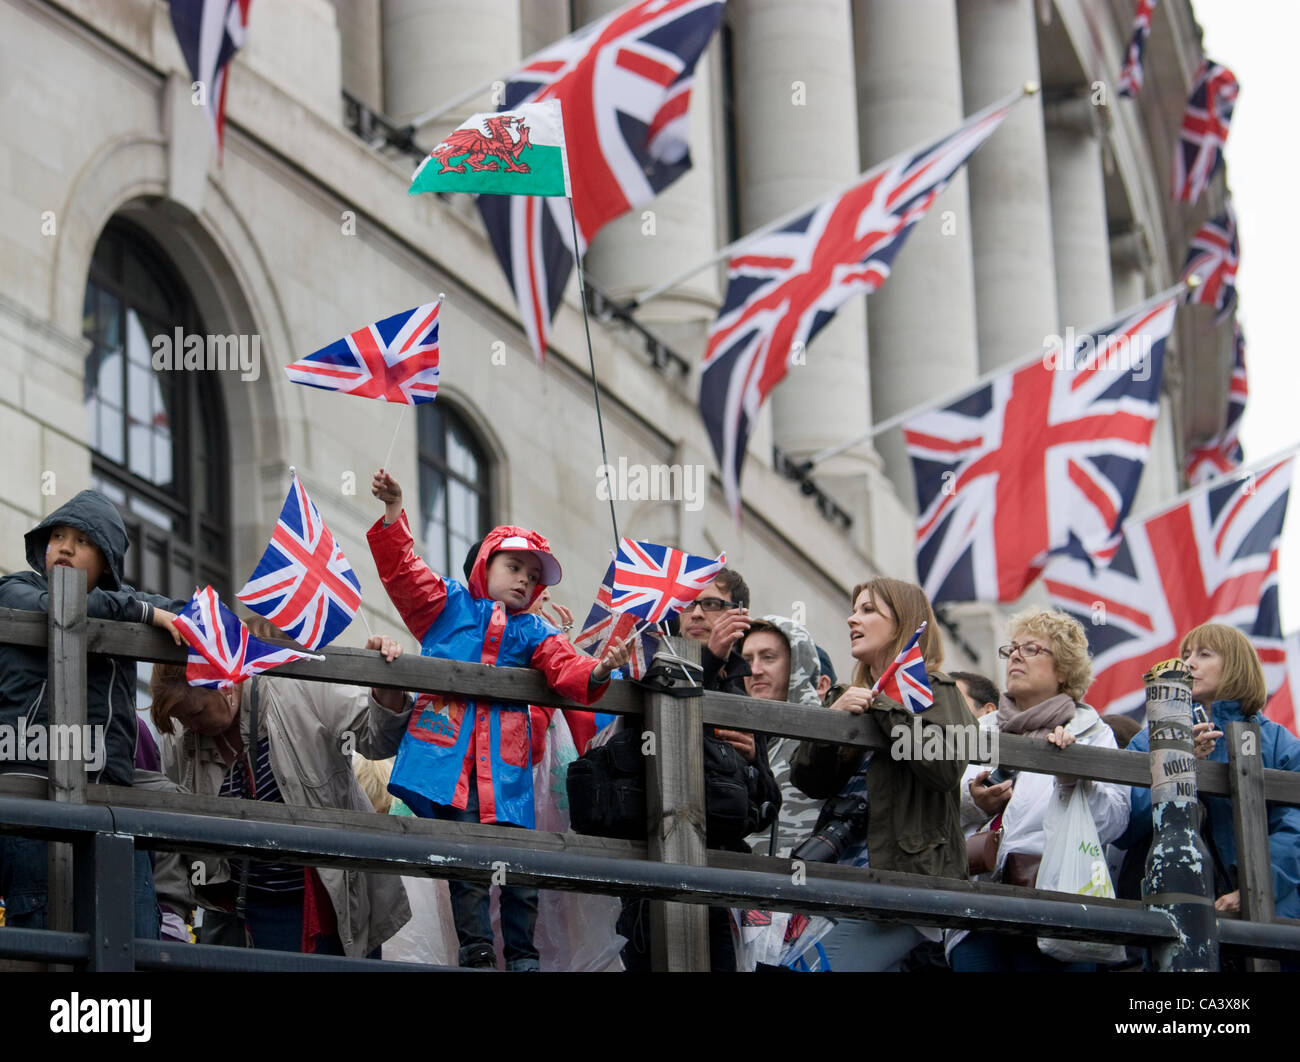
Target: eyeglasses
[711, 604]
[1028, 650]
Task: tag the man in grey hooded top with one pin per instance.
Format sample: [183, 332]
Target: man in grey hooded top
[798, 814]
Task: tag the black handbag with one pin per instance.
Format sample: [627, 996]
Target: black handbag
[607, 791]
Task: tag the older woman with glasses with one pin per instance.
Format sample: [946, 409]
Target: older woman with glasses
[1048, 672]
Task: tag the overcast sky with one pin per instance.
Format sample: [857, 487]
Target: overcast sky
[1257, 41]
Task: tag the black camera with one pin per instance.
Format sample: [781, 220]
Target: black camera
[999, 776]
[843, 822]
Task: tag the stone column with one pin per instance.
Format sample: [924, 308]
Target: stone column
[1084, 294]
[795, 102]
[434, 52]
[1015, 288]
[1130, 259]
[909, 92]
[361, 34]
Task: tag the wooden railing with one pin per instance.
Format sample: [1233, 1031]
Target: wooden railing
[90, 921]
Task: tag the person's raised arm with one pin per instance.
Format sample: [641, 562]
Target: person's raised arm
[418, 592]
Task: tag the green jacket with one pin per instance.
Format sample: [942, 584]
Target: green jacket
[913, 818]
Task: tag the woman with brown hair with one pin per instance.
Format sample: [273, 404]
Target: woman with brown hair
[1228, 682]
[885, 811]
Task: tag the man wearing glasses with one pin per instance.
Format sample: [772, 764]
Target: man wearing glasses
[719, 618]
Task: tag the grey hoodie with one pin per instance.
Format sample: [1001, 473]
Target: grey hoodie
[798, 812]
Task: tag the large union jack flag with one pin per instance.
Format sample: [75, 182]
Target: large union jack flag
[303, 583]
[653, 581]
[1199, 151]
[393, 360]
[210, 32]
[603, 626]
[1130, 78]
[222, 652]
[786, 285]
[1213, 257]
[1211, 559]
[624, 83]
[1221, 454]
[905, 680]
[1039, 460]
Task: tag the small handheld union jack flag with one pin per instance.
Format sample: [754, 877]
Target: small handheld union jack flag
[905, 680]
[1199, 151]
[303, 583]
[1213, 258]
[653, 581]
[603, 626]
[222, 652]
[393, 360]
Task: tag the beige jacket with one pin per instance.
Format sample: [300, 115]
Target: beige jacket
[308, 724]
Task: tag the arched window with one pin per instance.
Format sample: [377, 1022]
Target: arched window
[157, 436]
[454, 487]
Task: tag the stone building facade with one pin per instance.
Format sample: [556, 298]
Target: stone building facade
[118, 225]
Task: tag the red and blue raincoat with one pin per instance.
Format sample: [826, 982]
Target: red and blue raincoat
[451, 742]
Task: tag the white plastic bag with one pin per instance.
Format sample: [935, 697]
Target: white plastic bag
[575, 931]
[1074, 862]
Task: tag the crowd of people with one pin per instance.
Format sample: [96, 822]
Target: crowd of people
[465, 760]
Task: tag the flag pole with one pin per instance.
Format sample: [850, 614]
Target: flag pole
[1241, 472]
[1028, 89]
[591, 358]
[951, 396]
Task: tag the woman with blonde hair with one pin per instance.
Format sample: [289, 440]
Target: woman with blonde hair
[886, 812]
[1228, 682]
[1048, 672]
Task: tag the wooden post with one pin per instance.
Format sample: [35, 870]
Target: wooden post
[1250, 820]
[65, 699]
[674, 744]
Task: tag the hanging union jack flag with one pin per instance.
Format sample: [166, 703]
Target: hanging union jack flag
[210, 32]
[784, 286]
[303, 583]
[1221, 454]
[1130, 78]
[624, 84]
[1213, 257]
[603, 626]
[905, 680]
[222, 652]
[1211, 559]
[1199, 151]
[393, 360]
[653, 581]
[1040, 460]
